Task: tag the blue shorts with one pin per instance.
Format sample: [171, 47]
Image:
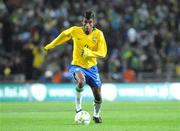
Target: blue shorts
[91, 74]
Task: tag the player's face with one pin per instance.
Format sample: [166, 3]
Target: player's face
[88, 25]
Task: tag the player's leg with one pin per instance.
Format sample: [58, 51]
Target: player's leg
[93, 80]
[97, 104]
[79, 76]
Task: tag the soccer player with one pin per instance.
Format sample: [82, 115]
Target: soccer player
[88, 45]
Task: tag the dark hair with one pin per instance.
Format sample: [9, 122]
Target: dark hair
[89, 15]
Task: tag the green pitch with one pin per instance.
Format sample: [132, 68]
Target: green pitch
[117, 116]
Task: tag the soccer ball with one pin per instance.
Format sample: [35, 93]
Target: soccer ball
[82, 118]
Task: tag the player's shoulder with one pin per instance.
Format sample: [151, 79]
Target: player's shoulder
[76, 28]
[98, 31]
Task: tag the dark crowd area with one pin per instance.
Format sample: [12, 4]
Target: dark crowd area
[143, 36]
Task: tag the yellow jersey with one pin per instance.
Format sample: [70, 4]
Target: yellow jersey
[94, 42]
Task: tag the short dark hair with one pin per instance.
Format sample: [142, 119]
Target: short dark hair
[89, 15]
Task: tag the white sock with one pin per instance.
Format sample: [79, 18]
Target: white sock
[78, 100]
[97, 109]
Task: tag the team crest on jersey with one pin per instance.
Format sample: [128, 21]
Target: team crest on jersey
[94, 39]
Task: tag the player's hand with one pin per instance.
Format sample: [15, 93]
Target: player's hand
[45, 51]
[85, 52]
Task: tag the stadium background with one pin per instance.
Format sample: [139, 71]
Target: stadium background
[143, 64]
[142, 37]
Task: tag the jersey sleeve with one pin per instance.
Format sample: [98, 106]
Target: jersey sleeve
[62, 38]
[101, 50]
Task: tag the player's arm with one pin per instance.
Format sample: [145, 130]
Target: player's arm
[62, 38]
[101, 50]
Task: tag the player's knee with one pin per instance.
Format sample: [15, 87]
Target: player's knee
[80, 79]
[81, 83]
